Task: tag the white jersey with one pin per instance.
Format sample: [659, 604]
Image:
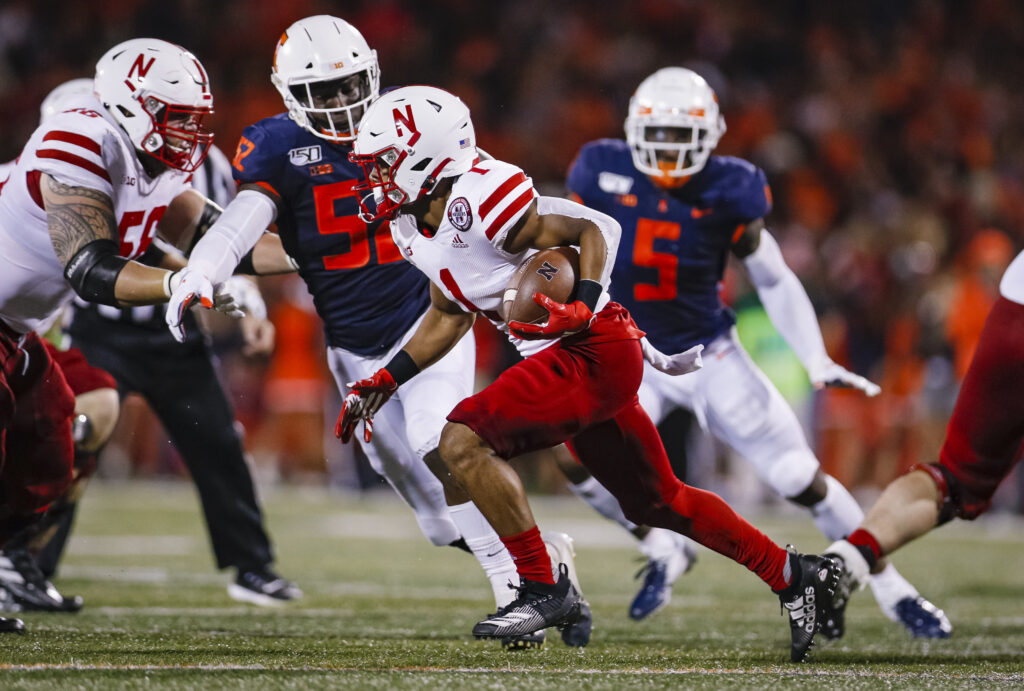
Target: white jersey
[464, 258]
[1012, 285]
[80, 147]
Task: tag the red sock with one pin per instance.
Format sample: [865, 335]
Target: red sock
[530, 555]
[716, 526]
[867, 544]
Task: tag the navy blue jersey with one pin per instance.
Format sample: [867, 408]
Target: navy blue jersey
[365, 293]
[675, 243]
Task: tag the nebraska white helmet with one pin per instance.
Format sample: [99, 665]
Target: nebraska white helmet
[673, 125]
[327, 76]
[54, 101]
[410, 139]
[159, 94]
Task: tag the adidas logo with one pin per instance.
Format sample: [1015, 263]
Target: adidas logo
[458, 243]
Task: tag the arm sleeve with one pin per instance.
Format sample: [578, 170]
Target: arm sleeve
[236, 232]
[786, 302]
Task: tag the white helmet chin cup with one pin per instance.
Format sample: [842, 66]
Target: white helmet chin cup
[409, 140]
[159, 94]
[313, 54]
[673, 124]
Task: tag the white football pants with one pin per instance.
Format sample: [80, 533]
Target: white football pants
[737, 403]
[409, 425]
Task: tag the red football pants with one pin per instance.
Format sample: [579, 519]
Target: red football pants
[584, 393]
[986, 431]
[36, 451]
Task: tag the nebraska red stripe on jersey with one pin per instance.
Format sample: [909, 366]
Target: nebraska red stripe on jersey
[500, 193]
[511, 210]
[72, 138]
[74, 160]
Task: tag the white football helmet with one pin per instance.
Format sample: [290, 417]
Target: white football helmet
[54, 101]
[673, 125]
[409, 139]
[327, 76]
[159, 94]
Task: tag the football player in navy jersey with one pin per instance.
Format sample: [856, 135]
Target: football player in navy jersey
[293, 170]
[683, 212]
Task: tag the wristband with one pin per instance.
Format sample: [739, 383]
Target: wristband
[167, 283]
[589, 292]
[402, 367]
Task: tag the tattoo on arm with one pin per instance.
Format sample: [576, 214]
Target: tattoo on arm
[76, 216]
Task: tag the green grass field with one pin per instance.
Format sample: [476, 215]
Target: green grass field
[384, 609]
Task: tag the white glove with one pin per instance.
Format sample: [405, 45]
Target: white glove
[237, 297]
[828, 373]
[187, 287]
[681, 363]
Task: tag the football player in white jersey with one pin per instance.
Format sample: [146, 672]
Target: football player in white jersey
[982, 446]
[90, 190]
[293, 169]
[468, 225]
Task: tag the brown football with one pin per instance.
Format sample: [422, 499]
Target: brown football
[553, 272]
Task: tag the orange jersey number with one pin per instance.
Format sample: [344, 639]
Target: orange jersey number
[329, 223]
[647, 231]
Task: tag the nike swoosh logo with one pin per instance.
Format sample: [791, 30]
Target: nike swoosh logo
[494, 554]
[700, 213]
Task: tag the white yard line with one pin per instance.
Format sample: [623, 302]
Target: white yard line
[634, 672]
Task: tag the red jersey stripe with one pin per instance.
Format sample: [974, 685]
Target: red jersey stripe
[499, 194]
[74, 160]
[511, 210]
[451, 285]
[72, 138]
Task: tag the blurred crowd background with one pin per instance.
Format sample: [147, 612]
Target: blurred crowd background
[890, 131]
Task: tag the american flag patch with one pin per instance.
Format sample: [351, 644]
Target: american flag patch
[464, 143]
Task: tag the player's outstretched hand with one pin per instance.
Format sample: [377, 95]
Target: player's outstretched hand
[187, 288]
[237, 297]
[362, 403]
[830, 374]
[681, 363]
[563, 320]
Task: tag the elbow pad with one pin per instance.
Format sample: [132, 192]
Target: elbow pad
[93, 271]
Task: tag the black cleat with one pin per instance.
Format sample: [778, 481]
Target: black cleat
[577, 635]
[11, 625]
[263, 587]
[537, 606]
[531, 641]
[27, 587]
[833, 625]
[809, 600]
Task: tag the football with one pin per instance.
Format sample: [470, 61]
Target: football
[553, 272]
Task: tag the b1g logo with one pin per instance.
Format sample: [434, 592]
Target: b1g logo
[459, 214]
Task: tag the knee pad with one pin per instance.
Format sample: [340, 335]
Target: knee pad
[790, 473]
[949, 490]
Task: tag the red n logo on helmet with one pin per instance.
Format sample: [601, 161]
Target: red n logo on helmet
[142, 68]
[407, 120]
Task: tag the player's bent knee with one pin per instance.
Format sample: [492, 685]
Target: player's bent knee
[951, 499]
[101, 408]
[793, 473]
[456, 445]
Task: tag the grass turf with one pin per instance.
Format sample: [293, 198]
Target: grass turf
[384, 609]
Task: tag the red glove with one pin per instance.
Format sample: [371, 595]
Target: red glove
[563, 320]
[362, 403]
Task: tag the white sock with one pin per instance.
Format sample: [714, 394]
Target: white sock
[854, 562]
[838, 514]
[602, 501]
[889, 587]
[488, 549]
